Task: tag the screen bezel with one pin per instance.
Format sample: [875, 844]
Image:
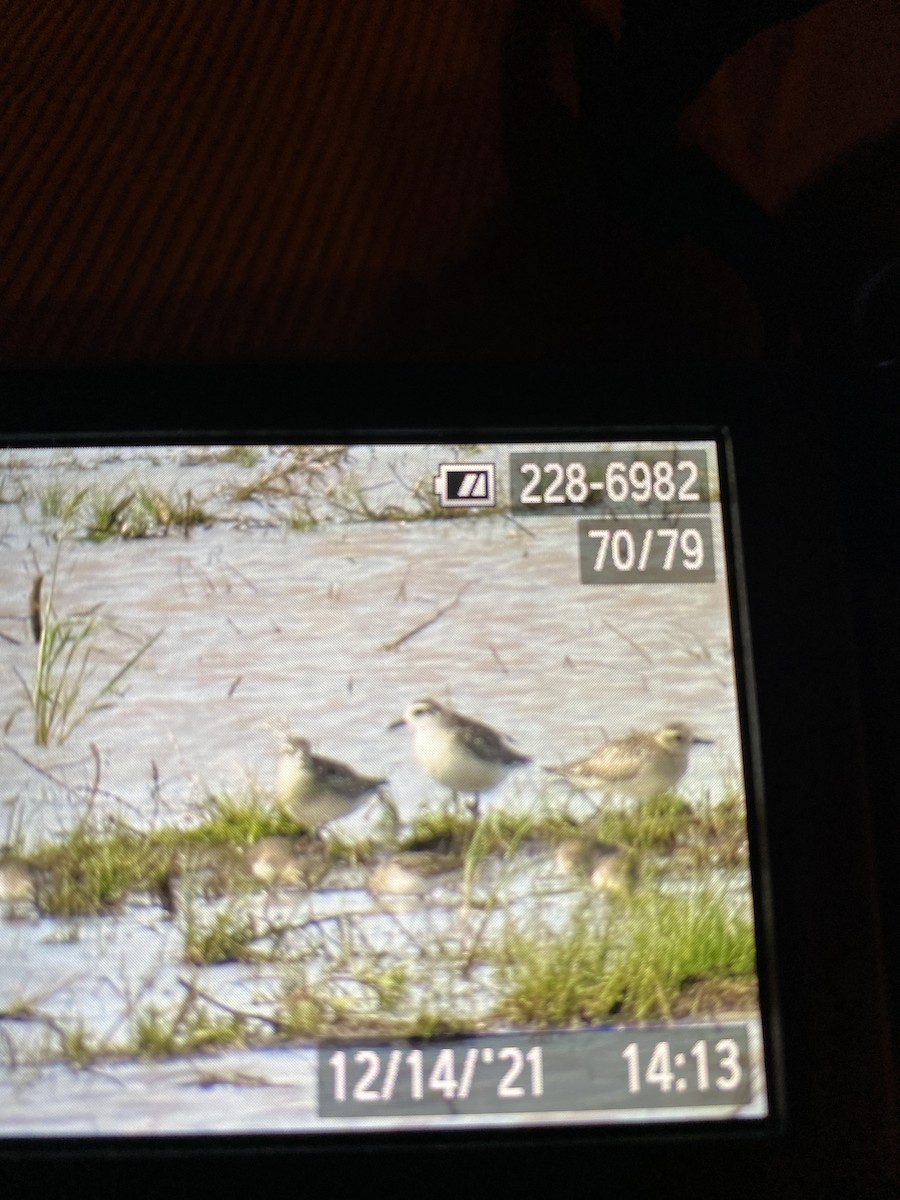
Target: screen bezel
[59, 406]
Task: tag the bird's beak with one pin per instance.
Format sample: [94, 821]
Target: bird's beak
[396, 724]
[698, 741]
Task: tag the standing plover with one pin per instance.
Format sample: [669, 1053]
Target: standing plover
[315, 790]
[608, 866]
[463, 754]
[639, 765]
[414, 873]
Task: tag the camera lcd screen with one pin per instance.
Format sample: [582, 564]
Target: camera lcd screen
[382, 787]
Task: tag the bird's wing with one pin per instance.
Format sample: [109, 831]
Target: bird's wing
[343, 779]
[616, 762]
[486, 742]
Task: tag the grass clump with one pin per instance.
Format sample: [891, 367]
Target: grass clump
[99, 514]
[718, 834]
[237, 819]
[143, 513]
[317, 1007]
[228, 936]
[633, 961]
[67, 686]
[79, 1048]
[241, 456]
[192, 1027]
[498, 831]
[107, 514]
[342, 1002]
[98, 866]
[93, 872]
[429, 1024]
[655, 824]
[301, 517]
[300, 471]
[57, 502]
[554, 981]
[65, 689]
[172, 510]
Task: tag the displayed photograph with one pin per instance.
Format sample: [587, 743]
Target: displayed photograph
[359, 788]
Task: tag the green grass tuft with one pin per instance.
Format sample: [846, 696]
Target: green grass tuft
[67, 684]
[631, 960]
[227, 936]
[193, 1027]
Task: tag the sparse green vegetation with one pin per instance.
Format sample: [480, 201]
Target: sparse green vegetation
[56, 502]
[226, 936]
[429, 1024]
[655, 824]
[78, 1046]
[633, 961]
[65, 688]
[91, 872]
[143, 513]
[193, 1026]
[650, 955]
[717, 835]
[120, 511]
[237, 820]
[241, 456]
[96, 867]
[500, 831]
[301, 517]
[301, 472]
[302, 488]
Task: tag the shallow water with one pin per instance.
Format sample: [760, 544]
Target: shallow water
[263, 629]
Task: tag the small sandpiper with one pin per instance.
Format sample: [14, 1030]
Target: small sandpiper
[197, 871]
[463, 754]
[286, 862]
[18, 890]
[415, 873]
[314, 790]
[638, 765]
[608, 866]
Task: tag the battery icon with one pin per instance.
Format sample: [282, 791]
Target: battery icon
[466, 485]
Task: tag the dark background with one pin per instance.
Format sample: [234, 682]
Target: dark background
[300, 216]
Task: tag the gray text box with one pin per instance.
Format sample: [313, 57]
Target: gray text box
[607, 1070]
[652, 550]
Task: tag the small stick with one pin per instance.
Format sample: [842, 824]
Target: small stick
[630, 641]
[34, 608]
[436, 616]
[195, 993]
[78, 793]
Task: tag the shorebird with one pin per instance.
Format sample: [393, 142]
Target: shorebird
[608, 866]
[18, 885]
[207, 872]
[639, 765]
[458, 751]
[414, 873]
[286, 862]
[313, 790]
